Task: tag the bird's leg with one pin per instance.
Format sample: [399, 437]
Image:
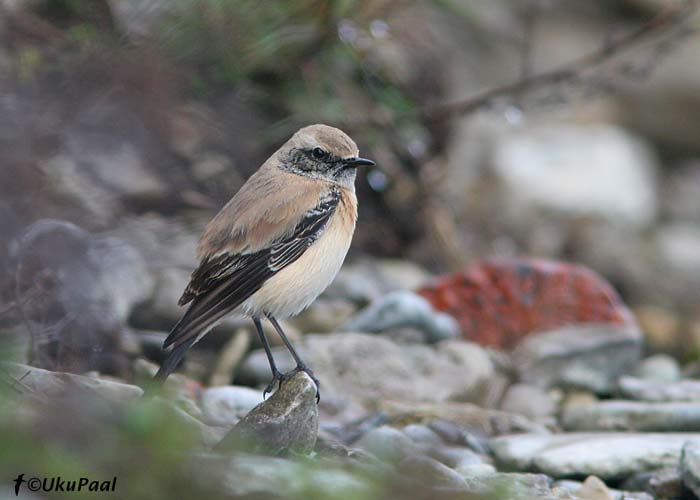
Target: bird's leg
[277, 376]
[301, 366]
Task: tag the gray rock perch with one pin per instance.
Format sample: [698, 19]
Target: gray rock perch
[286, 422]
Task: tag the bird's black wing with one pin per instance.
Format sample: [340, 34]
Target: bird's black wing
[223, 282]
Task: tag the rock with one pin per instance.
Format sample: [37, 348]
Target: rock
[471, 472]
[470, 416]
[324, 315]
[388, 444]
[165, 242]
[690, 467]
[350, 432]
[207, 436]
[656, 108]
[578, 170]
[594, 489]
[621, 415]
[124, 274]
[589, 357]
[101, 170]
[252, 476]
[286, 422]
[661, 327]
[577, 398]
[136, 18]
[661, 483]
[427, 471]
[367, 368]
[574, 486]
[213, 165]
[528, 400]
[498, 302]
[458, 435]
[364, 281]
[403, 309]
[422, 435]
[660, 367]
[162, 310]
[679, 247]
[656, 391]
[77, 289]
[608, 455]
[49, 384]
[514, 486]
[682, 192]
[455, 457]
[227, 404]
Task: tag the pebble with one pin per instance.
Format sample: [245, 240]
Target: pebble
[617, 415]
[660, 483]
[364, 368]
[455, 457]
[653, 390]
[660, 367]
[578, 170]
[429, 471]
[586, 356]
[49, 383]
[690, 466]
[254, 476]
[575, 486]
[404, 309]
[388, 444]
[608, 455]
[594, 489]
[514, 486]
[473, 471]
[529, 401]
[225, 405]
[422, 435]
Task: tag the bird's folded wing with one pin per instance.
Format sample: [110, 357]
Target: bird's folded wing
[224, 281]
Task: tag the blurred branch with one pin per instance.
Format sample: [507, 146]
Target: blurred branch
[661, 23]
[230, 358]
[32, 26]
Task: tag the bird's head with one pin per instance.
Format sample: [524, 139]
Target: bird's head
[322, 152]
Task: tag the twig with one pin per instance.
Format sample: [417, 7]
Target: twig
[663, 21]
[232, 354]
[15, 384]
[570, 71]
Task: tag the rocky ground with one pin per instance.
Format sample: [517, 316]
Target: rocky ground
[450, 365]
[409, 408]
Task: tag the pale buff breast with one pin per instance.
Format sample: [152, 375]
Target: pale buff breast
[296, 286]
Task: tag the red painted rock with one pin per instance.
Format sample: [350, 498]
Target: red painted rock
[497, 302]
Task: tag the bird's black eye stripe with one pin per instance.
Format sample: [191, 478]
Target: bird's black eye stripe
[319, 153]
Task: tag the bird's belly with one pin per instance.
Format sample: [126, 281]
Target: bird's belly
[296, 286]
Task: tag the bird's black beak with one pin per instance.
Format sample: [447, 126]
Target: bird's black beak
[358, 162]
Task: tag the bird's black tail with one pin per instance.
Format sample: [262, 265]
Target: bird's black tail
[173, 360]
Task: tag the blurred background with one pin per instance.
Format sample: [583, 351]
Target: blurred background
[557, 129]
[139, 119]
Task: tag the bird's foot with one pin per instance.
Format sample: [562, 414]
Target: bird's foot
[307, 370]
[278, 378]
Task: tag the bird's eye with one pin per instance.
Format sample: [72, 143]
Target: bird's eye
[319, 153]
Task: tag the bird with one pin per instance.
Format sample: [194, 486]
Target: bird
[275, 246]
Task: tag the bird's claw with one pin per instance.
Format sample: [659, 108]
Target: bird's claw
[279, 377]
[307, 370]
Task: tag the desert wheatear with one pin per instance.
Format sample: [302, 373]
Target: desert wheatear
[276, 245]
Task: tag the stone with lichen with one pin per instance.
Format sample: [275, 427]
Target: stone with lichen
[286, 422]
